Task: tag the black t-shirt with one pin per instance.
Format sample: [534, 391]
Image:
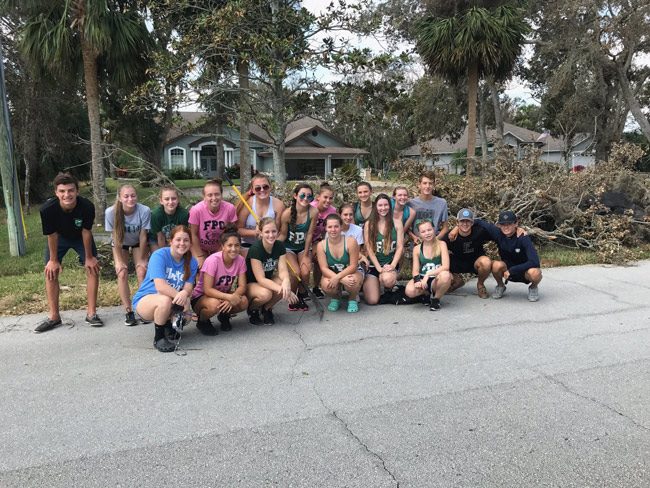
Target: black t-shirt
[67, 224]
[464, 251]
[269, 261]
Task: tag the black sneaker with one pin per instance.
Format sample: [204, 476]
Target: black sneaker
[47, 324]
[224, 320]
[434, 304]
[295, 307]
[318, 292]
[268, 316]
[302, 304]
[94, 321]
[164, 345]
[130, 320]
[206, 327]
[254, 317]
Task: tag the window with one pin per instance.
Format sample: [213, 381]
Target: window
[176, 158]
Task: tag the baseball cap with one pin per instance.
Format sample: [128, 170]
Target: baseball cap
[507, 217]
[465, 214]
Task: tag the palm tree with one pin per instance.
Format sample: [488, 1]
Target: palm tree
[104, 37]
[474, 43]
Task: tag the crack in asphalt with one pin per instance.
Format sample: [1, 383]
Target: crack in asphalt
[303, 350]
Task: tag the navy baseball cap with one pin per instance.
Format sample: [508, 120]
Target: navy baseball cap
[465, 214]
[507, 217]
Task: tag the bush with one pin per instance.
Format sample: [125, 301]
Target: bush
[184, 174]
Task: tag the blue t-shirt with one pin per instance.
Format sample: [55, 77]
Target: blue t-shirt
[162, 265]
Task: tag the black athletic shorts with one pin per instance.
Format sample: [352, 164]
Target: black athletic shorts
[518, 278]
[457, 266]
[64, 245]
[372, 271]
[193, 301]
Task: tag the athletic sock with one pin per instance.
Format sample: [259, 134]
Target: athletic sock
[160, 332]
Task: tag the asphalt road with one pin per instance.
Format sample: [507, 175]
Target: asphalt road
[482, 393]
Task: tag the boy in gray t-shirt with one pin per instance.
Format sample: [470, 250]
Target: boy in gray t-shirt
[429, 207]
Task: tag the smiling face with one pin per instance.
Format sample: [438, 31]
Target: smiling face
[508, 229]
[128, 198]
[261, 187]
[426, 186]
[363, 193]
[426, 231]
[325, 198]
[212, 197]
[304, 197]
[401, 196]
[67, 195]
[333, 227]
[347, 214]
[269, 233]
[169, 201]
[180, 243]
[383, 207]
[231, 247]
[465, 227]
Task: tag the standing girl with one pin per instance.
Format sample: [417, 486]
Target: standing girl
[338, 257]
[265, 288]
[431, 274]
[363, 207]
[263, 204]
[401, 210]
[208, 219]
[297, 230]
[214, 294]
[168, 283]
[129, 223]
[165, 217]
[384, 238]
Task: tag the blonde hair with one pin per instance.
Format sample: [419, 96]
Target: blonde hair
[118, 218]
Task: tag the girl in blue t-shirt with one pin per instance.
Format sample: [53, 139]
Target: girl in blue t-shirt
[169, 282]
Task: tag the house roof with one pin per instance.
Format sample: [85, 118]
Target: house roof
[296, 151]
[523, 135]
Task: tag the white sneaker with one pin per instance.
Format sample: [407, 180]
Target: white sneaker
[498, 292]
[533, 293]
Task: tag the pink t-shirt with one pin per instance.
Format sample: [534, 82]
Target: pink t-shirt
[223, 277]
[210, 224]
[319, 230]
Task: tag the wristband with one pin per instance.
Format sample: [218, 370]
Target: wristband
[417, 278]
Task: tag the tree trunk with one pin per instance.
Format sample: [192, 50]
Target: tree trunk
[498, 113]
[279, 167]
[92, 100]
[472, 88]
[244, 134]
[30, 149]
[482, 129]
[632, 102]
[221, 156]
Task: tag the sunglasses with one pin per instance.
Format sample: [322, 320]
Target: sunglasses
[310, 198]
[262, 188]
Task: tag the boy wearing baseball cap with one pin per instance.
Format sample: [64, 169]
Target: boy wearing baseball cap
[520, 261]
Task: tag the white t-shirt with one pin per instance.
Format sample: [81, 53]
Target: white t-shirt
[356, 232]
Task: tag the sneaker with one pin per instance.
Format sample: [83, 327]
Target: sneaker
[302, 304]
[46, 325]
[499, 291]
[434, 304]
[318, 292]
[94, 321]
[295, 307]
[533, 293]
[224, 320]
[206, 327]
[129, 319]
[268, 317]
[254, 317]
[164, 345]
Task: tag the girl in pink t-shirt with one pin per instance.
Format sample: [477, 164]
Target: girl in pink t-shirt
[208, 219]
[214, 294]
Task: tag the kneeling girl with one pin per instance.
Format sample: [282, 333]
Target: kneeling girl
[214, 294]
[168, 282]
[431, 274]
[338, 259]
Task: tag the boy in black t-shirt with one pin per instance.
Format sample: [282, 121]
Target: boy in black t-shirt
[67, 221]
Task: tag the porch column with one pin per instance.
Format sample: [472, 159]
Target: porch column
[328, 165]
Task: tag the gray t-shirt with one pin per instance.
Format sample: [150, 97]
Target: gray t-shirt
[434, 210]
[133, 224]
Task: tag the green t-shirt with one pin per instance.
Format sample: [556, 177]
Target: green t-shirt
[269, 261]
[161, 222]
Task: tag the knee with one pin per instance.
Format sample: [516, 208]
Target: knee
[534, 275]
[265, 295]
[388, 279]
[122, 272]
[483, 264]
[244, 303]
[444, 277]
[498, 266]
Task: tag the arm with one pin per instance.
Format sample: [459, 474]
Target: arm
[444, 255]
[160, 237]
[91, 264]
[197, 252]
[278, 208]
[493, 231]
[285, 288]
[179, 297]
[531, 255]
[53, 266]
[313, 211]
[370, 252]
[241, 223]
[409, 223]
[399, 249]
[444, 229]
[322, 261]
[284, 225]
[144, 240]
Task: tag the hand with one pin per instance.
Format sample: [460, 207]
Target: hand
[52, 270]
[506, 275]
[305, 262]
[386, 268]
[234, 300]
[521, 232]
[349, 280]
[285, 290]
[453, 233]
[293, 298]
[224, 306]
[181, 298]
[421, 284]
[333, 283]
[92, 265]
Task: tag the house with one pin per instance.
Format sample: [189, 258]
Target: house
[442, 152]
[310, 148]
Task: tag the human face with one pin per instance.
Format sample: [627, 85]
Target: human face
[180, 244]
[426, 186]
[269, 233]
[262, 188]
[363, 193]
[67, 195]
[333, 228]
[401, 197]
[426, 231]
[128, 198]
[325, 198]
[507, 229]
[348, 216]
[169, 201]
[231, 247]
[465, 227]
[304, 197]
[383, 207]
[212, 197]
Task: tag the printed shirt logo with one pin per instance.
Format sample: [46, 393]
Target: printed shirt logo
[380, 247]
[78, 223]
[175, 278]
[296, 238]
[428, 267]
[338, 267]
[270, 264]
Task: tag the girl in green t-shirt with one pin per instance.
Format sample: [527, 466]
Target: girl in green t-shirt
[167, 216]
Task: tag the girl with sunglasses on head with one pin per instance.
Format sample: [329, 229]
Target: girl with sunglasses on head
[384, 238]
[263, 204]
[297, 230]
[129, 223]
[431, 276]
[338, 258]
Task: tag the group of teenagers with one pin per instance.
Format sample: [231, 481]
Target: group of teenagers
[220, 259]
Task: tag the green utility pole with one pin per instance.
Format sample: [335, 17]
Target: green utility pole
[10, 187]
